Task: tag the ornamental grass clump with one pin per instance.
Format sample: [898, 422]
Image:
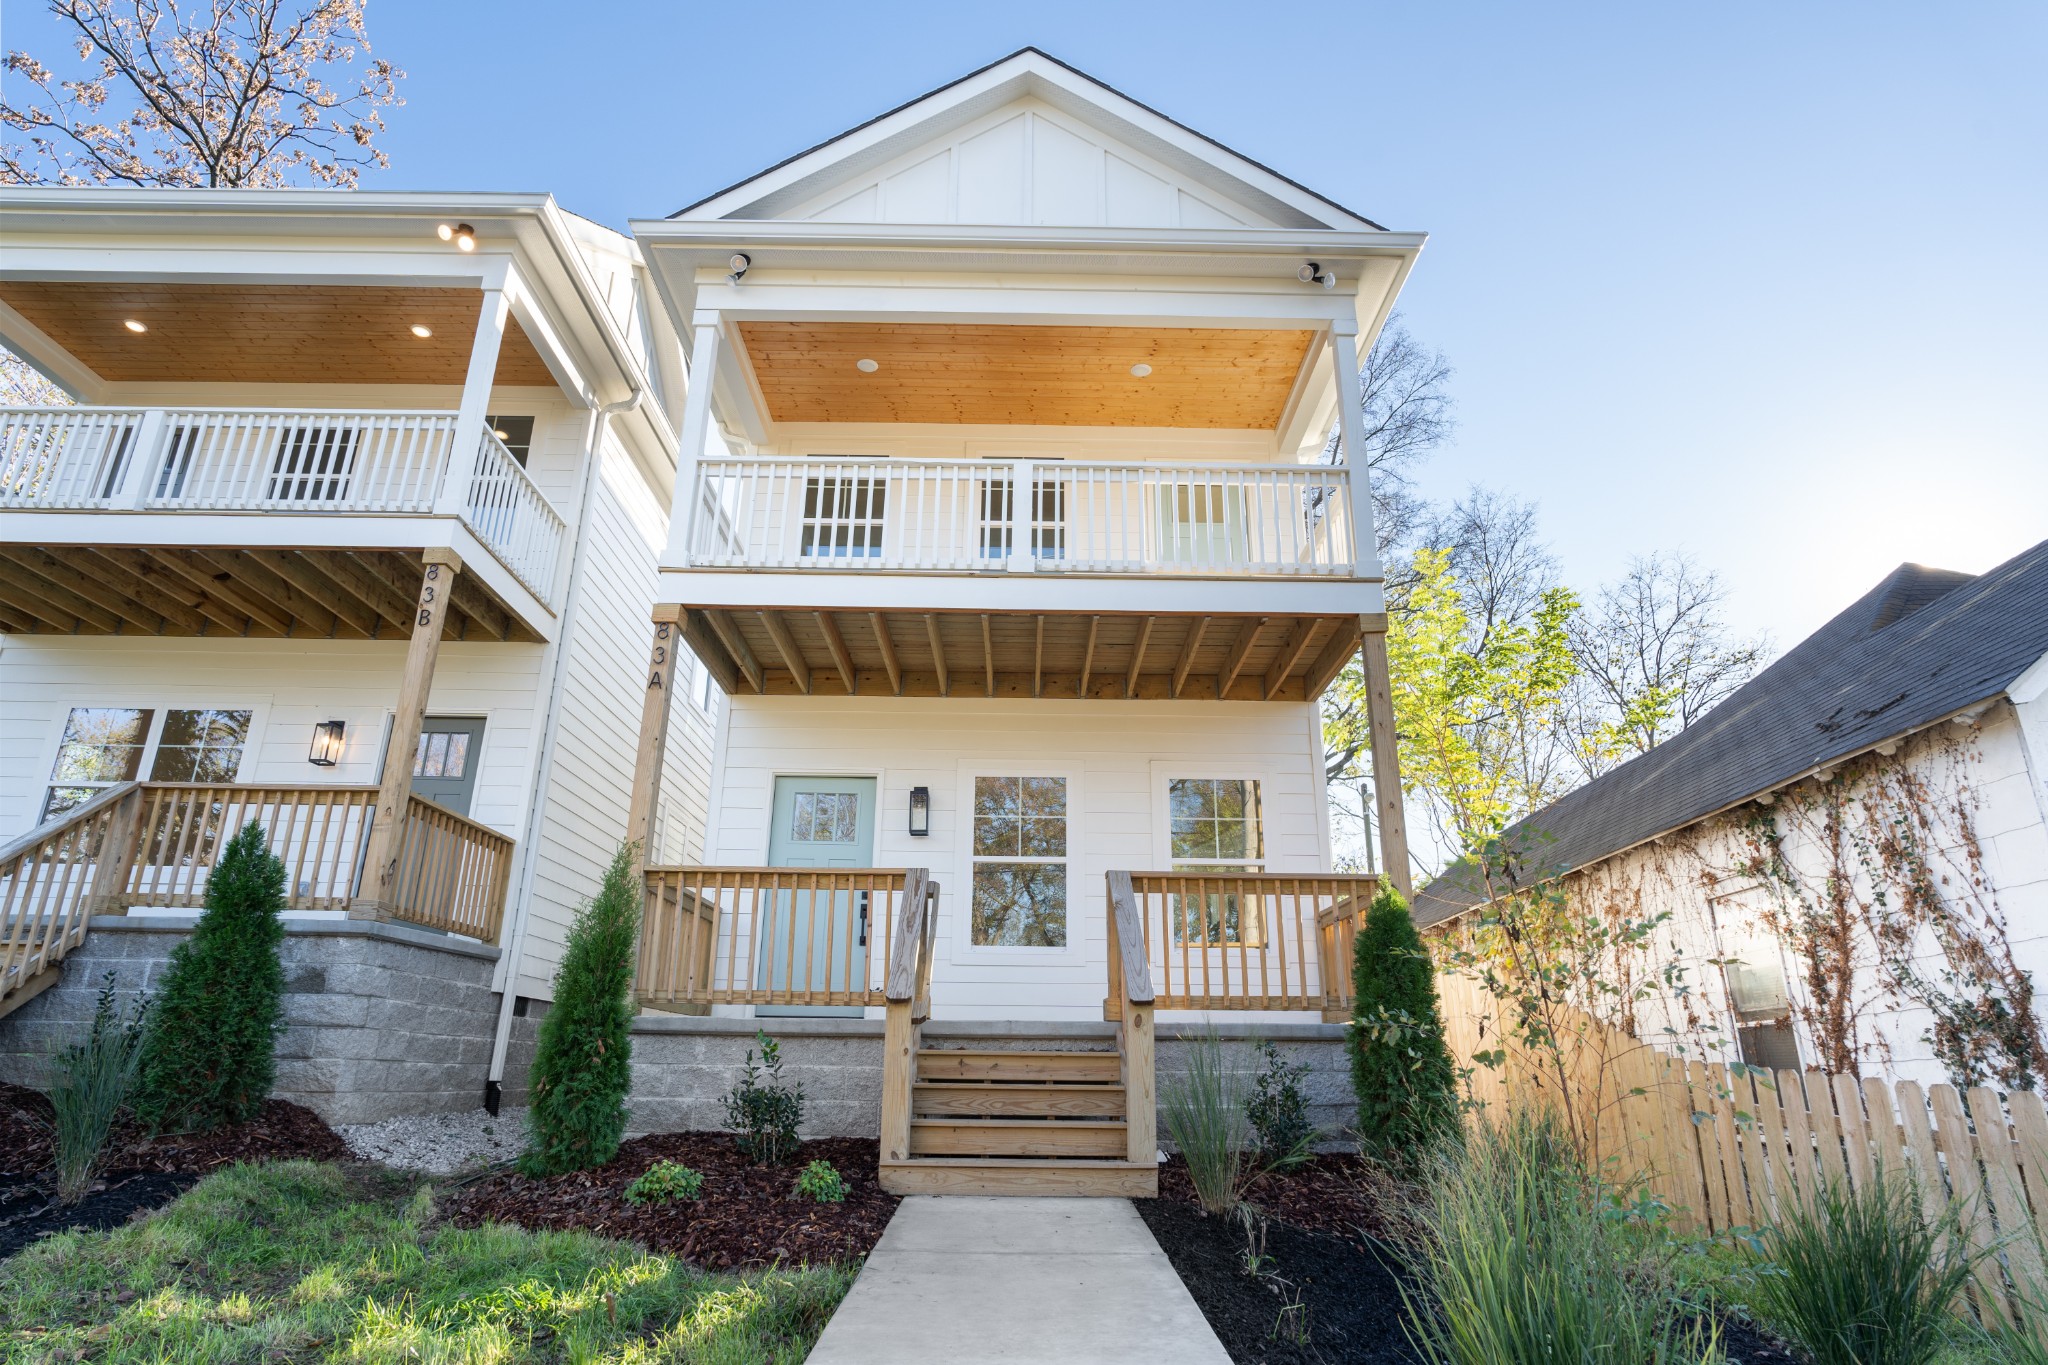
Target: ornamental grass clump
[582, 1066]
[89, 1087]
[211, 1053]
[1400, 1066]
[1864, 1277]
[1204, 1108]
[1520, 1258]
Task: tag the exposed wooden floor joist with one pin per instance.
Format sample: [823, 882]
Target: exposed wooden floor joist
[815, 652]
[234, 593]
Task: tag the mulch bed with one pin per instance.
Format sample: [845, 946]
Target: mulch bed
[747, 1215]
[139, 1172]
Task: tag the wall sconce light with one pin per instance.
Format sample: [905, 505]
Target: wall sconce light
[920, 810]
[327, 737]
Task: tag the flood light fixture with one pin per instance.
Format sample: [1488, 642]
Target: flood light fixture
[739, 262]
[327, 743]
[920, 811]
[1312, 272]
[445, 232]
[465, 237]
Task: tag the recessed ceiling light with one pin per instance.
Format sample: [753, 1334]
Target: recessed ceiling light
[866, 366]
[135, 325]
[499, 434]
[422, 331]
[1140, 370]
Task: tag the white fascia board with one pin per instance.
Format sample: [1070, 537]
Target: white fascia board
[737, 234]
[2032, 684]
[856, 590]
[282, 531]
[1027, 73]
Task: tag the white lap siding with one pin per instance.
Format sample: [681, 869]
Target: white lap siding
[1117, 755]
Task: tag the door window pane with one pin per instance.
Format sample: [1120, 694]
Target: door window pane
[102, 745]
[200, 746]
[1213, 826]
[442, 753]
[1020, 874]
[825, 818]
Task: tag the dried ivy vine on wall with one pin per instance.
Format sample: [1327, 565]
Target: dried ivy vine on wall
[1872, 870]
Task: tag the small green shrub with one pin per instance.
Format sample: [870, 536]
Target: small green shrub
[1278, 1110]
[1400, 1067]
[90, 1085]
[763, 1112]
[584, 1060]
[1520, 1258]
[1204, 1109]
[821, 1183]
[1864, 1277]
[665, 1182]
[211, 1054]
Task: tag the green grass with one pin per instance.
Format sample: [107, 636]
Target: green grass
[302, 1262]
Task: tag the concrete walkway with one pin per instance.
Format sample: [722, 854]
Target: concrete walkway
[959, 1280]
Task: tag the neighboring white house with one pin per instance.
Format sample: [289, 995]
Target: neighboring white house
[290, 400]
[1852, 849]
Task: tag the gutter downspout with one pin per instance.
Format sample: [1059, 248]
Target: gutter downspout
[515, 949]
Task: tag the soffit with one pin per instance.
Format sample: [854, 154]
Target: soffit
[1238, 379]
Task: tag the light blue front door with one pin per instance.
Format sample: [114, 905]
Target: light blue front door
[818, 822]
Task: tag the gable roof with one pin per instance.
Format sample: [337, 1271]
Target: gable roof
[1921, 645]
[1027, 71]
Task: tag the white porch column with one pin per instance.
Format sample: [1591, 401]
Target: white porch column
[690, 441]
[1351, 432]
[476, 402]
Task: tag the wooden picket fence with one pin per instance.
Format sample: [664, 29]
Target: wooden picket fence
[1733, 1150]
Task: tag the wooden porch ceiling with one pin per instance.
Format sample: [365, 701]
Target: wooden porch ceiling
[253, 593]
[1013, 654]
[269, 334]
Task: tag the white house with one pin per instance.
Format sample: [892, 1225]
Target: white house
[352, 472]
[1849, 855]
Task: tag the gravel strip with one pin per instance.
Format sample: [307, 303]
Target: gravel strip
[439, 1144]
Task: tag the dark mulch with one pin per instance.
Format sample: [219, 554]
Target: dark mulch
[1349, 1296]
[747, 1215]
[282, 1132]
[28, 1214]
[1328, 1193]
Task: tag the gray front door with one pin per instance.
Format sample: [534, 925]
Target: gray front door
[818, 822]
[444, 766]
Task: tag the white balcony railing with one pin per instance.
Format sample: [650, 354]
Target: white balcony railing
[273, 460]
[966, 516]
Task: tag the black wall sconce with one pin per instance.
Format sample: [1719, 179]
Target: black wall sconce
[327, 737]
[920, 810]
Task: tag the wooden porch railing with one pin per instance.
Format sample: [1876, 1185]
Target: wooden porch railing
[154, 845]
[1130, 986]
[766, 935]
[1243, 941]
[907, 996]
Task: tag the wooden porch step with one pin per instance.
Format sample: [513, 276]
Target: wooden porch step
[1016, 1137]
[951, 1064]
[990, 1099]
[1021, 1176]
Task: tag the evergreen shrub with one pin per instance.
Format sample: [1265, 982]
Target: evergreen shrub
[1400, 1066]
[211, 1054]
[581, 1068]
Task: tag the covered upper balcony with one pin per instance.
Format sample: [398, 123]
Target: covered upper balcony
[291, 403]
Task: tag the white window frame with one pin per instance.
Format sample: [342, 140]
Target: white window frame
[1079, 900]
[160, 709]
[1165, 774]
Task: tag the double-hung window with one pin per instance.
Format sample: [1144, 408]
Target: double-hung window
[1214, 826]
[1048, 530]
[1019, 896]
[105, 745]
[843, 516]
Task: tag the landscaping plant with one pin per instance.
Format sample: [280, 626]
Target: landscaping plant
[210, 1054]
[664, 1183]
[822, 1184]
[1204, 1109]
[1400, 1066]
[582, 1066]
[1864, 1277]
[90, 1085]
[1278, 1110]
[1521, 1258]
[762, 1112]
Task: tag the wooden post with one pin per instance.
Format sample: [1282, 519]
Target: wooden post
[394, 791]
[1386, 754]
[1141, 1087]
[116, 861]
[655, 707]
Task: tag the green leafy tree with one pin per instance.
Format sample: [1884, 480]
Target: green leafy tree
[583, 1065]
[1400, 1066]
[210, 1057]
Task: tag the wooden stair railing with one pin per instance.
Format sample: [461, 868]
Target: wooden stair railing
[52, 880]
[453, 873]
[907, 1004]
[1130, 981]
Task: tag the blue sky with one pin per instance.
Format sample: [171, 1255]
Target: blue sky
[1764, 282]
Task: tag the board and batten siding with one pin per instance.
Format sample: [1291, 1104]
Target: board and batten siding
[1117, 756]
[597, 721]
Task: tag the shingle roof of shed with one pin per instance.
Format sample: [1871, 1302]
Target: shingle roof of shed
[1921, 645]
